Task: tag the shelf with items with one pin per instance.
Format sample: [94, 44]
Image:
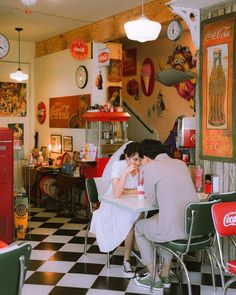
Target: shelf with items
[106, 130]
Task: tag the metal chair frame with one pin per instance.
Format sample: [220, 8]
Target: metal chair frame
[14, 259]
[92, 193]
[196, 237]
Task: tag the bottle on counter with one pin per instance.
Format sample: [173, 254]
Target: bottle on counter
[198, 178]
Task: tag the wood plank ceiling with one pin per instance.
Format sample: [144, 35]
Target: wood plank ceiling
[108, 29]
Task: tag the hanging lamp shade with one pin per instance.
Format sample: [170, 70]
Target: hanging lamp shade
[142, 29]
[19, 76]
[28, 2]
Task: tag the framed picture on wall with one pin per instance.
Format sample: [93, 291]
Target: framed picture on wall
[115, 70]
[217, 119]
[56, 144]
[68, 143]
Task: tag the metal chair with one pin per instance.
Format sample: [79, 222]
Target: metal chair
[92, 192]
[14, 260]
[223, 197]
[199, 230]
[224, 217]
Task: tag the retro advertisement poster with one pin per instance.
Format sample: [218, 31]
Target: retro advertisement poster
[217, 73]
[66, 112]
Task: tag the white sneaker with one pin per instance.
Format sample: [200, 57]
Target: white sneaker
[129, 272]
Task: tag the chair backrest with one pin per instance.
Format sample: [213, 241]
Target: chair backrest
[223, 197]
[91, 189]
[224, 217]
[14, 260]
[198, 219]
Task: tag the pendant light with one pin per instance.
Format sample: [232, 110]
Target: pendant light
[142, 29]
[28, 3]
[19, 76]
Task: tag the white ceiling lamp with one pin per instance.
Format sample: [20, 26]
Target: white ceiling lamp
[28, 3]
[19, 76]
[142, 29]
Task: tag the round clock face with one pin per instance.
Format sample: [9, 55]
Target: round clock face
[4, 46]
[81, 76]
[174, 30]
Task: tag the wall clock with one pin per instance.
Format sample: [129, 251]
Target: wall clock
[4, 46]
[174, 30]
[81, 77]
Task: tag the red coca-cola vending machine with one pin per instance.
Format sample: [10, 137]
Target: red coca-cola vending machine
[6, 185]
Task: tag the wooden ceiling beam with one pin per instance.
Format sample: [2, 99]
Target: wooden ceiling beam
[108, 29]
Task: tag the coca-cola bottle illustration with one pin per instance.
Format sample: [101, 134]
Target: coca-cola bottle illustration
[217, 91]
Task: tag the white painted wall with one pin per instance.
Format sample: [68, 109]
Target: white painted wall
[56, 78]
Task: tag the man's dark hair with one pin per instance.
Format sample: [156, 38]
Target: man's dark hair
[151, 148]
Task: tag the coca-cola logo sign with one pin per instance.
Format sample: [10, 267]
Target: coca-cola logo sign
[229, 219]
[218, 33]
[193, 137]
[103, 57]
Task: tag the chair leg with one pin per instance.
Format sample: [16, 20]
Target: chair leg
[219, 267]
[229, 282]
[182, 264]
[154, 267]
[108, 259]
[22, 274]
[86, 239]
[212, 270]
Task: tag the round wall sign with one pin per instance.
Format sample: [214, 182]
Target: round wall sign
[79, 49]
[41, 112]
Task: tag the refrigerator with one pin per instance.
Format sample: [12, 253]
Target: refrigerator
[6, 185]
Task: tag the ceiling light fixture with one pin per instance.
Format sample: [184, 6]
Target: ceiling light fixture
[28, 3]
[19, 76]
[142, 29]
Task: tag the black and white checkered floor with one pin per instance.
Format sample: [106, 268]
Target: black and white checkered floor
[58, 265]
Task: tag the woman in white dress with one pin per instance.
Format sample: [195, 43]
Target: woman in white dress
[111, 224]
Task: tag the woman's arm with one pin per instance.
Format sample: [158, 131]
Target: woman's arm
[118, 184]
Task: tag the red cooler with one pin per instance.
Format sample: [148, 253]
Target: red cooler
[6, 185]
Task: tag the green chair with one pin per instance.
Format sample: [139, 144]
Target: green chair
[92, 192]
[223, 197]
[199, 229]
[14, 260]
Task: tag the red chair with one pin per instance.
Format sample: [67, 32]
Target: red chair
[224, 217]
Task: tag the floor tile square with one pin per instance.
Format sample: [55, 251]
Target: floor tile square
[80, 240]
[87, 268]
[111, 283]
[65, 256]
[72, 248]
[43, 231]
[29, 289]
[41, 254]
[51, 225]
[66, 232]
[68, 291]
[32, 237]
[35, 264]
[57, 239]
[44, 278]
[77, 280]
[56, 266]
[49, 246]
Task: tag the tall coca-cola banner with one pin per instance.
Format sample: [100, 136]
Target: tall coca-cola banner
[217, 120]
[66, 112]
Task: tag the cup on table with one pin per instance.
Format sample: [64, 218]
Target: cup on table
[141, 192]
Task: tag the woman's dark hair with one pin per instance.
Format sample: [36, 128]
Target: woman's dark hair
[130, 150]
[151, 148]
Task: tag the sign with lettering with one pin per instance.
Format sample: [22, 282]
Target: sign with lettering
[217, 120]
[66, 112]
